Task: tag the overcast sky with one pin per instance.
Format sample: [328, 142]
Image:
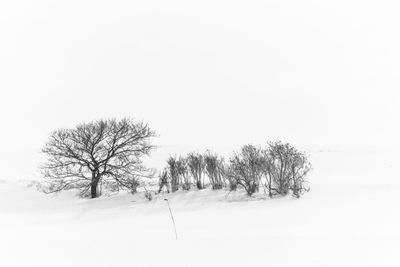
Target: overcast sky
[207, 73]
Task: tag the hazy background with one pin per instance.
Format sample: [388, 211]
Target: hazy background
[204, 74]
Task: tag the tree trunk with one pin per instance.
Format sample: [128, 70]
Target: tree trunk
[93, 186]
[93, 190]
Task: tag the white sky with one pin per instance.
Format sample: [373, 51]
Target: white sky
[206, 73]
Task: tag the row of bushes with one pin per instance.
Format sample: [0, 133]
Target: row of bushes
[107, 155]
[278, 168]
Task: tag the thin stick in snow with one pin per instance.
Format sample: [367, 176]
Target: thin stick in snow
[173, 220]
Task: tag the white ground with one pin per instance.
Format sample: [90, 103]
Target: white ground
[350, 218]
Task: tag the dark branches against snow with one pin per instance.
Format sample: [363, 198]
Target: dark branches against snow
[104, 150]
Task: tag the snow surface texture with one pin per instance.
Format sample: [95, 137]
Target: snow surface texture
[350, 218]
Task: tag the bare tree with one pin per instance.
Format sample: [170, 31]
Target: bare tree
[109, 150]
[196, 165]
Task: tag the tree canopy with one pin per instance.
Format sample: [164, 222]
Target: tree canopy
[104, 150]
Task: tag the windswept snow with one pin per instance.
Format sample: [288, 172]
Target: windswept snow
[338, 223]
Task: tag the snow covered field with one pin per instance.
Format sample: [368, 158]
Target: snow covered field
[350, 218]
[209, 74]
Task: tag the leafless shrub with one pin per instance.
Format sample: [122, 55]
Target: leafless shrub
[246, 168]
[214, 170]
[183, 172]
[132, 184]
[285, 169]
[298, 171]
[196, 166]
[164, 181]
[173, 169]
[228, 175]
[148, 195]
[280, 168]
